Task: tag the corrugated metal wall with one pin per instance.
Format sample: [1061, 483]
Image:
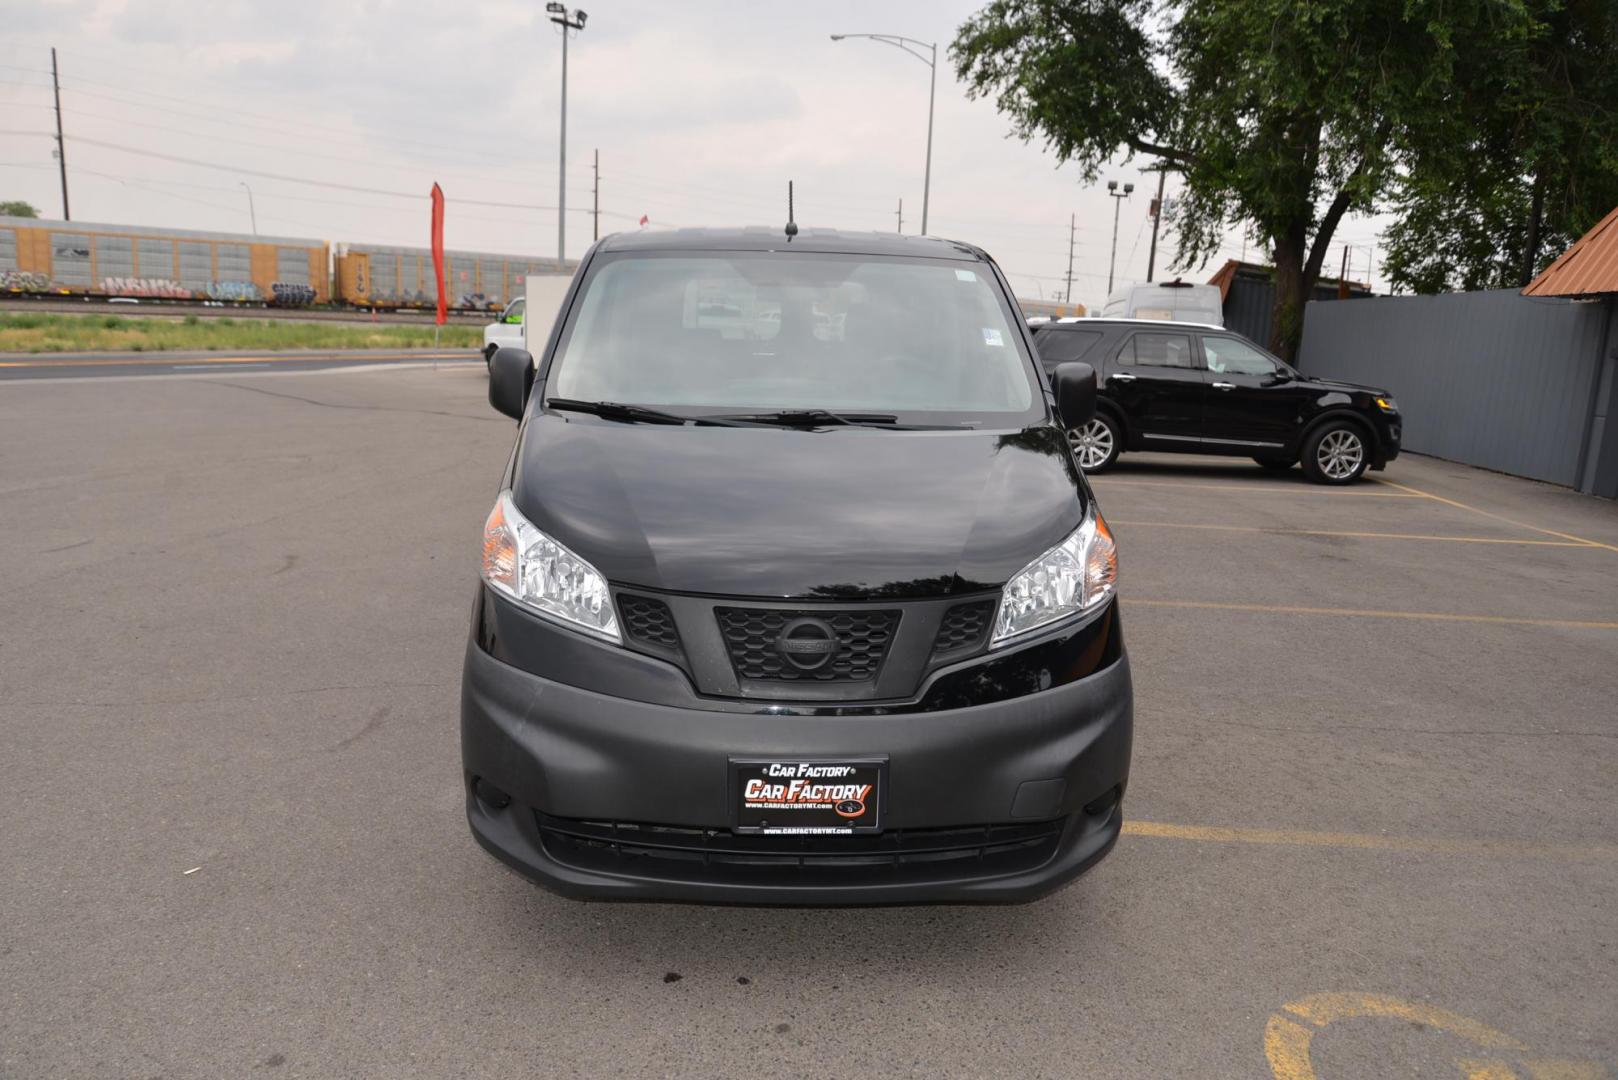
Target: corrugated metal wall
[1486, 378]
[1249, 306]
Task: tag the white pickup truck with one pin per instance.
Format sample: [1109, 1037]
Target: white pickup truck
[507, 330]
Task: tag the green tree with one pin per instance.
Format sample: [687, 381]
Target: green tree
[1284, 114]
[1540, 169]
[18, 208]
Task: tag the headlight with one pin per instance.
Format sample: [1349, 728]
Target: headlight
[1387, 404]
[541, 574]
[1071, 577]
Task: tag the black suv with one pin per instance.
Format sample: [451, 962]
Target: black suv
[792, 591]
[1195, 389]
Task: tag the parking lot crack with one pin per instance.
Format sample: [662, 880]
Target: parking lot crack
[1417, 731]
[224, 698]
[357, 408]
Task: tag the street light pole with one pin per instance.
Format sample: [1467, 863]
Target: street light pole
[930, 58]
[569, 21]
[251, 212]
[1112, 189]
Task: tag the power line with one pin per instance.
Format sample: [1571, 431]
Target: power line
[283, 176]
[234, 112]
[260, 146]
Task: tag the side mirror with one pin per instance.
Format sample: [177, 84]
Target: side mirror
[1075, 386]
[511, 377]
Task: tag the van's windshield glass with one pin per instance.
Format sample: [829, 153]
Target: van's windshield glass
[926, 340]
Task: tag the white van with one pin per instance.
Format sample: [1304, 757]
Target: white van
[1170, 301]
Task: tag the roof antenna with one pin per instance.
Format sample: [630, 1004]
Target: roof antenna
[792, 226]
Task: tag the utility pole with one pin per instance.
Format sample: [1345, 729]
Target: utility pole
[61, 146]
[1157, 214]
[901, 215]
[1072, 229]
[569, 21]
[252, 213]
[1342, 277]
[595, 198]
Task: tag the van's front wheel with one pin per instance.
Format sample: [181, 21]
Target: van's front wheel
[1096, 444]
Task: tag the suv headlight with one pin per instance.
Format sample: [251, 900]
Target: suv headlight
[1073, 576]
[1386, 403]
[542, 575]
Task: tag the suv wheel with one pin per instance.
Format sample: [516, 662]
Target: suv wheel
[1278, 464]
[1097, 443]
[1335, 454]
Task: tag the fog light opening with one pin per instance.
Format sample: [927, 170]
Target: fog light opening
[1106, 803]
[489, 795]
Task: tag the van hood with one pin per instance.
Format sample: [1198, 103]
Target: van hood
[1344, 387]
[779, 512]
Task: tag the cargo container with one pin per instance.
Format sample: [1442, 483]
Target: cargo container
[76, 258]
[1050, 309]
[369, 275]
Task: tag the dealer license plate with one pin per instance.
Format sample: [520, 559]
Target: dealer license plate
[798, 795]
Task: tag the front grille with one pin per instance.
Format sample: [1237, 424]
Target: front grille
[669, 851]
[648, 620]
[751, 634]
[963, 626]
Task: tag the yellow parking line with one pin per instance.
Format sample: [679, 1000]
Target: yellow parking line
[1363, 535]
[1370, 841]
[1357, 613]
[159, 360]
[1255, 489]
[1492, 514]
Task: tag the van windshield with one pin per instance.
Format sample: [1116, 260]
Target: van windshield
[927, 340]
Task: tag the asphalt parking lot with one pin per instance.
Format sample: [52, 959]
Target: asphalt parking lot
[1372, 825]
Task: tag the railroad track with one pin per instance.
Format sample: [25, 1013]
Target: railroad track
[179, 309]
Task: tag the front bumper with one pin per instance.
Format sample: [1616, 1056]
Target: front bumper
[1389, 435]
[614, 798]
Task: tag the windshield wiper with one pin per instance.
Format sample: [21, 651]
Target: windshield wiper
[635, 414]
[821, 418]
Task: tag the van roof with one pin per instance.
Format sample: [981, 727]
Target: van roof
[773, 238]
[1080, 322]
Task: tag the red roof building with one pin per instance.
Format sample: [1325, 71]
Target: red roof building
[1588, 268]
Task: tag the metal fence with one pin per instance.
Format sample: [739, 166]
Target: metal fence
[1516, 384]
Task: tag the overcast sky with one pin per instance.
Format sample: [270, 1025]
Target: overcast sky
[702, 111]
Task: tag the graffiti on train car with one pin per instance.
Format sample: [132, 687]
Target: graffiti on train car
[237, 292]
[27, 281]
[287, 294]
[144, 286]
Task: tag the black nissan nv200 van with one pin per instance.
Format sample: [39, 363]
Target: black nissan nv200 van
[793, 591]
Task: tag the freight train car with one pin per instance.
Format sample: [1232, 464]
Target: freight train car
[77, 259]
[1049, 309]
[369, 275]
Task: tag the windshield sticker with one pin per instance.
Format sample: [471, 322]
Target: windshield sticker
[991, 336]
[965, 275]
